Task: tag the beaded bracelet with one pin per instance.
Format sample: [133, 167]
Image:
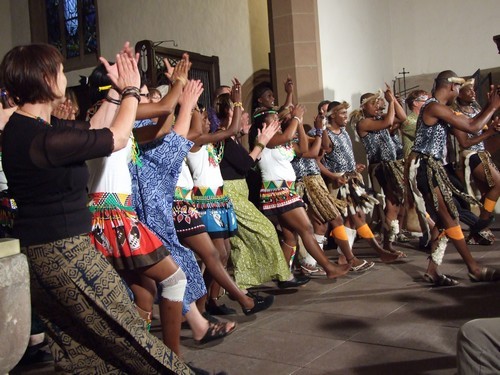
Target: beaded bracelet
[298, 119]
[182, 80]
[113, 101]
[260, 145]
[131, 91]
[319, 132]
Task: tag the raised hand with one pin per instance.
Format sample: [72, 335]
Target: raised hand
[389, 96]
[267, 132]
[180, 71]
[236, 91]
[126, 72]
[64, 111]
[299, 111]
[169, 69]
[191, 93]
[494, 96]
[245, 123]
[288, 85]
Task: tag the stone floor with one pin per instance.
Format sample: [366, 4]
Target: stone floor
[386, 320]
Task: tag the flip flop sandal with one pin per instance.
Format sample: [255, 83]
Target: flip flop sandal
[312, 271]
[215, 331]
[442, 280]
[362, 267]
[486, 275]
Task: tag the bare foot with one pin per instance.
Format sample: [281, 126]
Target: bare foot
[387, 256]
[355, 262]
[333, 271]
[390, 248]
[342, 259]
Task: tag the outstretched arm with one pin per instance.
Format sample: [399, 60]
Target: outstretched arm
[465, 141]
[233, 128]
[289, 91]
[263, 138]
[127, 81]
[436, 111]
[289, 133]
[178, 77]
[188, 102]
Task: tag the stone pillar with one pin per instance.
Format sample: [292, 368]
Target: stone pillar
[15, 305]
[295, 50]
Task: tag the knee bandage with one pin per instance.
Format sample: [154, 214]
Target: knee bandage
[455, 233]
[489, 205]
[173, 287]
[364, 231]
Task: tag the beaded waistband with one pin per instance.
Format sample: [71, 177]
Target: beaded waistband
[278, 184]
[182, 193]
[207, 192]
[99, 201]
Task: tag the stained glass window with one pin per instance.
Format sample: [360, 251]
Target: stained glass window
[71, 26]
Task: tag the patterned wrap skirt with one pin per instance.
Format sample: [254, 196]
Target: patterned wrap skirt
[119, 235]
[255, 250]
[92, 324]
[471, 159]
[425, 174]
[216, 210]
[317, 196]
[279, 197]
[187, 219]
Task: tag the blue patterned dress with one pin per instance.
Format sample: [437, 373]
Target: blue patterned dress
[153, 186]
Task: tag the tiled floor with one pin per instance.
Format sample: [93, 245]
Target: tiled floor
[384, 321]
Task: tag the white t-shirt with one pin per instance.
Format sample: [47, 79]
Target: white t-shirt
[275, 163]
[205, 169]
[110, 174]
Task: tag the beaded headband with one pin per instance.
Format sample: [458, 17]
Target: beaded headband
[265, 112]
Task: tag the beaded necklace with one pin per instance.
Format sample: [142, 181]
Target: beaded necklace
[215, 153]
[38, 118]
[136, 152]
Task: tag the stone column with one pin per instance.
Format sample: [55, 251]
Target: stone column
[295, 50]
[15, 305]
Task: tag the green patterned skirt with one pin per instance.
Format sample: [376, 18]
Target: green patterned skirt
[255, 251]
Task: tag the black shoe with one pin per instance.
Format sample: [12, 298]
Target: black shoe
[260, 304]
[294, 283]
[220, 310]
[38, 356]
